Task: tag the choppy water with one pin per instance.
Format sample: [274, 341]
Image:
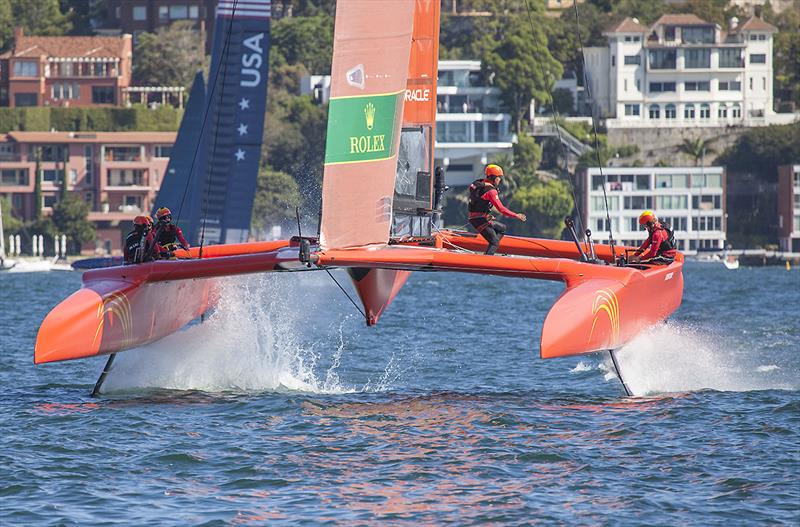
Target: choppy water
[283, 410]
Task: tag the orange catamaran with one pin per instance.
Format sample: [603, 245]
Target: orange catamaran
[380, 211]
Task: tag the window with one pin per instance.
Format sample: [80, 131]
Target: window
[722, 112]
[670, 112]
[671, 181]
[163, 13]
[705, 111]
[697, 85]
[642, 182]
[657, 87]
[163, 150]
[597, 182]
[797, 179]
[65, 90]
[758, 58]
[140, 12]
[122, 153]
[688, 111]
[763, 83]
[48, 201]
[696, 58]
[753, 37]
[14, 176]
[51, 153]
[73, 176]
[736, 111]
[730, 58]
[751, 83]
[633, 60]
[669, 33]
[707, 202]
[177, 12]
[626, 85]
[638, 202]
[26, 68]
[103, 95]
[132, 204]
[632, 109]
[125, 177]
[671, 202]
[613, 60]
[88, 154]
[662, 59]
[598, 203]
[730, 86]
[655, 111]
[697, 35]
[194, 11]
[707, 223]
[52, 176]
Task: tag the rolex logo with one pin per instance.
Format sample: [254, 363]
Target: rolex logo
[369, 113]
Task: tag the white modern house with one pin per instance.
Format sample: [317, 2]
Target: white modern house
[690, 199]
[470, 126]
[685, 72]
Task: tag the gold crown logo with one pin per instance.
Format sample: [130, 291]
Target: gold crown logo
[369, 112]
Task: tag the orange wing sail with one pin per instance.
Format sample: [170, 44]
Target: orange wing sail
[371, 47]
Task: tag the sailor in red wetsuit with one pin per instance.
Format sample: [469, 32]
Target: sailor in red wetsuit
[659, 247]
[166, 235]
[482, 197]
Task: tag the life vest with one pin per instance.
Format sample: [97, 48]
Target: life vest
[134, 246]
[166, 234]
[669, 244]
[477, 189]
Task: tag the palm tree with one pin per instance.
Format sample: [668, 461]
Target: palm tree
[696, 148]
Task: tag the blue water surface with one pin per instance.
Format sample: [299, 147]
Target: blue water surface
[283, 409]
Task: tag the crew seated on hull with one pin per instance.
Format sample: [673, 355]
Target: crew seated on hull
[482, 197]
[166, 237]
[136, 242]
[659, 247]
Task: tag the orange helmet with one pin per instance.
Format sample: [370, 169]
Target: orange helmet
[163, 211]
[493, 170]
[646, 217]
[142, 220]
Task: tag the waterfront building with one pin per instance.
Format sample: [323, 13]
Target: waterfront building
[685, 72]
[65, 71]
[690, 199]
[471, 126]
[789, 208]
[139, 16]
[117, 173]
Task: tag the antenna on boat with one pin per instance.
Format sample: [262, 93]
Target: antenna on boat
[588, 88]
[556, 118]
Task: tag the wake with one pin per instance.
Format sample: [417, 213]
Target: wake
[266, 334]
[676, 357]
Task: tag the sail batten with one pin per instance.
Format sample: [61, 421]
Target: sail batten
[372, 44]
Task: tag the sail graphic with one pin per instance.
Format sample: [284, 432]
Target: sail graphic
[371, 47]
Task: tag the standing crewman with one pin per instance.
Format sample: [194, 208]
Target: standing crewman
[482, 197]
[167, 236]
[135, 249]
[659, 247]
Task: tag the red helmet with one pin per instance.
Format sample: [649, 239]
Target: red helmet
[142, 220]
[163, 211]
[493, 170]
[647, 217]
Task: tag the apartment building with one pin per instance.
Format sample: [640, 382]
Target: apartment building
[683, 71]
[117, 173]
[65, 71]
[139, 16]
[471, 126]
[789, 208]
[690, 199]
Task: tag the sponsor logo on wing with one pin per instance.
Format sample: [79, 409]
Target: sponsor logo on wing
[245, 8]
[356, 77]
[418, 95]
[606, 304]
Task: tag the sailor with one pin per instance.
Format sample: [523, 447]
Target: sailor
[482, 196]
[167, 236]
[659, 247]
[136, 241]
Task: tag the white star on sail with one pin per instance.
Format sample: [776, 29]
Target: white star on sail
[244, 104]
[239, 155]
[242, 129]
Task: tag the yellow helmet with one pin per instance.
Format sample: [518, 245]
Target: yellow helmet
[646, 217]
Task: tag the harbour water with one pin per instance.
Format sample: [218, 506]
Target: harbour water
[283, 409]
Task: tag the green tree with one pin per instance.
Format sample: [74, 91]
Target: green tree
[170, 57]
[40, 17]
[277, 195]
[696, 148]
[520, 64]
[305, 40]
[70, 218]
[6, 25]
[786, 52]
[546, 205]
[11, 224]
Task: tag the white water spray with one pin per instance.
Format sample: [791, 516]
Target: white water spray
[676, 358]
[263, 335]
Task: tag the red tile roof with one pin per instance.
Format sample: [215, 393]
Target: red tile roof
[627, 25]
[686, 19]
[71, 47]
[756, 24]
